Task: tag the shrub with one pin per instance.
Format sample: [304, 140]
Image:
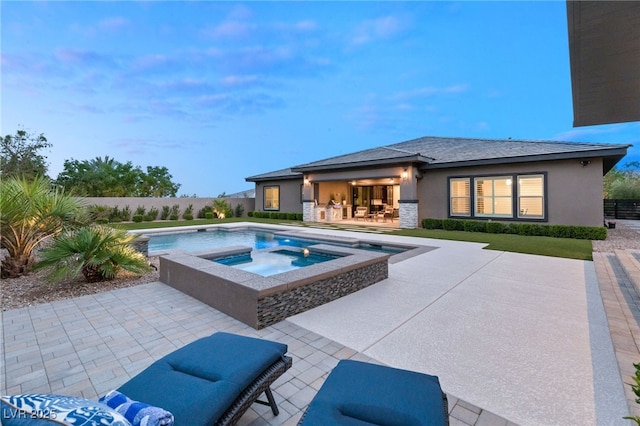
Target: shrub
[141, 211]
[152, 214]
[291, 216]
[527, 229]
[114, 214]
[513, 228]
[98, 252]
[115, 219]
[496, 228]
[250, 213]
[164, 215]
[174, 213]
[273, 215]
[102, 220]
[125, 214]
[138, 218]
[635, 387]
[238, 212]
[222, 208]
[208, 215]
[453, 225]
[432, 223]
[282, 215]
[474, 226]
[98, 212]
[299, 216]
[202, 213]
[188, 213]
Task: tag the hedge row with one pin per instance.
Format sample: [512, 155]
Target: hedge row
[276, 215]
[531, 229]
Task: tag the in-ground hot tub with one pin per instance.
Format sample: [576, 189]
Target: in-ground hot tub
[260, 301]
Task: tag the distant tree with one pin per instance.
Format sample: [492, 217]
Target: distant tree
[623, 183]
[157, 183]
[20, 155]
[110, 178]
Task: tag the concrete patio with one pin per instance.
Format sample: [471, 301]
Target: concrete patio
[525, 338]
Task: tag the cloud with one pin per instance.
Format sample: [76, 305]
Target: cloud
[153, 62]
[306, 25]
[113, 24]
[376, 29]
[591, 133]
[83, 58]
[229, 29]
[239, 80]
[240, 104]
[429, 91]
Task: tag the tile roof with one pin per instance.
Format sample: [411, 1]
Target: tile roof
[447, 152]
[277, 174]
[439, 150]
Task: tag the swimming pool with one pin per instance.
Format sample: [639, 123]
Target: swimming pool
[267, 263]
[201, 240]
[188, 262]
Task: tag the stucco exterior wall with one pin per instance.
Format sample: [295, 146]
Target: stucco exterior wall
[183, 202]
[574, 192]
[290, 195]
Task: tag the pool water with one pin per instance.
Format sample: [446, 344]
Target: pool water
[268, 263]
[200, 241]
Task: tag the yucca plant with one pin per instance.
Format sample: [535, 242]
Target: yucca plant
[31, 212]
[96, 251]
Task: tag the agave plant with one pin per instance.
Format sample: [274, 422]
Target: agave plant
[30, 213]
[98, 252]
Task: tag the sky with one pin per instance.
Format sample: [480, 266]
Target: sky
[219, 91]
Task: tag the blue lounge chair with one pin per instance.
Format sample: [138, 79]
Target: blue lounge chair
[358, 393]
[213, 380]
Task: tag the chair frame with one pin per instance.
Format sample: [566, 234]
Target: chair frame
[262, 384]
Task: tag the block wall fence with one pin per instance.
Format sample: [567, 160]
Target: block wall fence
[148, 202]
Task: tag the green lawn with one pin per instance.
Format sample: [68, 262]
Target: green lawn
[544, 246]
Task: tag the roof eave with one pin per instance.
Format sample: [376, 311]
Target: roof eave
[271, 178]
[411, 159]
[615, 154]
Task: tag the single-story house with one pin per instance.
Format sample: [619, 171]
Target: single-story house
[436, 177]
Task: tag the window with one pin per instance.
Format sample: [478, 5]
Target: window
[460, 197]
[531, 196]
[507, 196]
[493, 196]
[271, 198]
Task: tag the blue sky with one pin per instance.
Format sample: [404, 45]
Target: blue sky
[218, 91]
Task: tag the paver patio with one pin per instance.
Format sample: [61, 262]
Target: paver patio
[498, 328]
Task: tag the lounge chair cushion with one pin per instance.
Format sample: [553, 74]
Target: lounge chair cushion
[198, 382]
[358, 393]
[50, 409]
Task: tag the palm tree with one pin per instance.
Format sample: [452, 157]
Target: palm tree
[97, 251]
[30, 213]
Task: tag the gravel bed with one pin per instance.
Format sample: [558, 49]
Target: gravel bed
[33, 289]
[622, 237]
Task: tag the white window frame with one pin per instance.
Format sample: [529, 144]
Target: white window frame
[493, 197]
[453, 197]
[524, 215]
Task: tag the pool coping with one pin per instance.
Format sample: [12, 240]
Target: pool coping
[409, 250]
